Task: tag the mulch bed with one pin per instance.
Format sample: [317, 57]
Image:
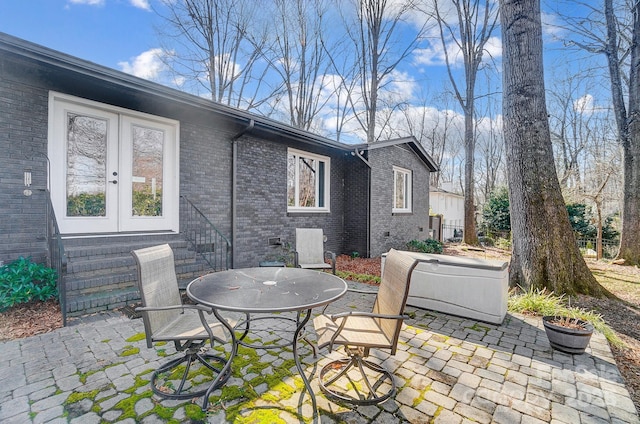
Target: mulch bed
[30, 319]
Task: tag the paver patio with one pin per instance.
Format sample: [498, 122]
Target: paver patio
[448, 370]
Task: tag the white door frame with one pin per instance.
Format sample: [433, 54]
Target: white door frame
[118, 215]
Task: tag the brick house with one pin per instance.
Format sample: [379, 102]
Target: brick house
[119, 154]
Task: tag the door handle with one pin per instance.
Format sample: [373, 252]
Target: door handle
[114, 181]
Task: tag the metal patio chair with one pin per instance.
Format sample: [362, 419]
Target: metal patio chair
[166, 318]
[346, 379]
[310, 253]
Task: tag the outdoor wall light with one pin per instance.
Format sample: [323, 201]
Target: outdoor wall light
[27, 182]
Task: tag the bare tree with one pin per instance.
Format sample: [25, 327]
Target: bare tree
[299, 58]
[630, 234]
[614, 30]
[381, 39]
[602, 170]
[469, 33]
[545, 253]
[215, 45]
[571, 119]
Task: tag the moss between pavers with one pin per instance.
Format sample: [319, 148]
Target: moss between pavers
[78, 396]
[239, 402]
[136, 338]
[479, 328]
[129, 351]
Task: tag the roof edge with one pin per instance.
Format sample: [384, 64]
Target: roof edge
[62, 60]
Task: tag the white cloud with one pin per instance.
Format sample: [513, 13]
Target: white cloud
[88, 2]
[552, 26]
[431, 56]
[493, 48]
[141, 4]
[147, 65]
[586, 105]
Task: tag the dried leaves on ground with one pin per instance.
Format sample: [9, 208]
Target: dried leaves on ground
[30, 319]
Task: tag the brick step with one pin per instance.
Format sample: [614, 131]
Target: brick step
[116, 295]
[105, 240]
[77, 285]
[88, 266]
[101, 301]
[116, 249]
[101, 272]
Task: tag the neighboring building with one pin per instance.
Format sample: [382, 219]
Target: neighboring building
[450, 205]
[118, 153]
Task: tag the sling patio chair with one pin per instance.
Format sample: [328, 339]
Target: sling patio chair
[346, 379]
[166, 318]
[310, 253]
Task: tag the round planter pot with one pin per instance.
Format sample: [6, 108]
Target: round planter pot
[568, 340]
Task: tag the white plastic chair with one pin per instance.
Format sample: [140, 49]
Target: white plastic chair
[310, 253]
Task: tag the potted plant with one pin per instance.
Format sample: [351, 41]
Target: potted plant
[566, 334]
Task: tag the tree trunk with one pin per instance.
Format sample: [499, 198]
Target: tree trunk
[630, 235]
[469, 236]
[545, 252]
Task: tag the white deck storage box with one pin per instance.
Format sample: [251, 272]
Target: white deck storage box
[467, 287]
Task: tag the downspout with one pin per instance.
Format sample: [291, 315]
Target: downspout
[234, 189]
[356, 152]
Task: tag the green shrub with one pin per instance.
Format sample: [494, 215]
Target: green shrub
[22, 281]
[85, 204]
[503, 243]
[426, 246]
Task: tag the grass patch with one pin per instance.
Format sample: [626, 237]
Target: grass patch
[543, 302]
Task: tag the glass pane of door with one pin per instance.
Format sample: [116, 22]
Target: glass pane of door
[146, 181]
[86, 173]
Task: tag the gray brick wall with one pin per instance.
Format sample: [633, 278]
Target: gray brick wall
[205, 173]
[262, 203]
[389, 230]
[356, 207]
[23, 142]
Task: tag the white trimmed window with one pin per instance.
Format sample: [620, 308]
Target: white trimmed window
[401, 190]
[307, 182]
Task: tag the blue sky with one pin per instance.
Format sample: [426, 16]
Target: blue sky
[120, 34]
[107, 32]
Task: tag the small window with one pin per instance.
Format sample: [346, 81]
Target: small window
[401, 190]
[307, 182]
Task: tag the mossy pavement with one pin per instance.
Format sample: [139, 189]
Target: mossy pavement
[447, 369]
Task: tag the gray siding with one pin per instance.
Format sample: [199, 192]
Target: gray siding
[389, 230]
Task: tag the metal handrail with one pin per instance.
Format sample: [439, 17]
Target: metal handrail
[56, 257]
[205, 239]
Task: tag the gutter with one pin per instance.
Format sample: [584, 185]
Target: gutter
[356, 152]
[234, 189]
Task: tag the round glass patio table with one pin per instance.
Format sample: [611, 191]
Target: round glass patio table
[266, 290]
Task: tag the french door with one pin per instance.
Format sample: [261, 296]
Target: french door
[112, 170]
